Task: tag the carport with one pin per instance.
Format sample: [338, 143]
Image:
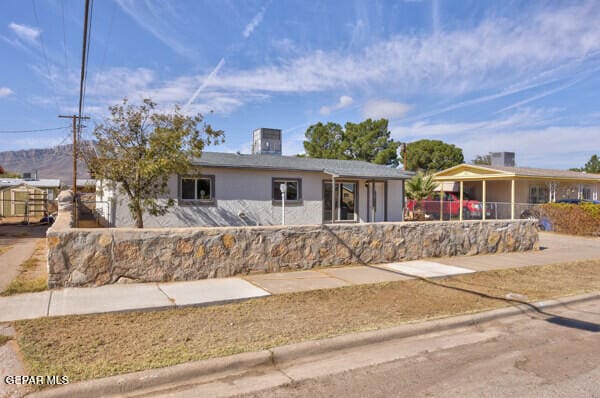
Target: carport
[512, 190]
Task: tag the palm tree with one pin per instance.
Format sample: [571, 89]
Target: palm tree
[418, 188]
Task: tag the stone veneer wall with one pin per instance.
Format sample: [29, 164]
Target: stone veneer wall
[86, 257]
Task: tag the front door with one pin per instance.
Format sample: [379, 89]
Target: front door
[346, 202]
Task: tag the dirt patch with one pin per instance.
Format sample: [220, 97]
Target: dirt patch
[33, 276]
[92, 346]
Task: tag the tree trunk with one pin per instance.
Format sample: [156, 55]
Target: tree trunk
[138, 215]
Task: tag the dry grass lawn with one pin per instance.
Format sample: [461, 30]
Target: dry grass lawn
[33, 276]
[92, 346]
[4, 249]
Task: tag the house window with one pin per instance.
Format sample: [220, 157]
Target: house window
[538, 194]
[293, 191]
[198, 188]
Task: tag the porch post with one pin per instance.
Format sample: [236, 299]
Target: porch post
[579, 191]
[484, 197]
[441, 201]
[333, 199]
[373, 199]
[460, 210]
[512, 199]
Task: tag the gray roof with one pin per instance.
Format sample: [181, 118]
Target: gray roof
[537, 172]
[341, 168]
[43, 183]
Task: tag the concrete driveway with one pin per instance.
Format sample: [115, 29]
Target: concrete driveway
[555, 248]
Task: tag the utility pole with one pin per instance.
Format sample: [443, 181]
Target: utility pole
[402, 153]
[74, 118]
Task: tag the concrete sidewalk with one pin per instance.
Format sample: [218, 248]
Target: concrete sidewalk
[146, 296]
[128, 297]
[125, 297]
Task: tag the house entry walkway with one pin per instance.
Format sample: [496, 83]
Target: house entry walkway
[147, 296]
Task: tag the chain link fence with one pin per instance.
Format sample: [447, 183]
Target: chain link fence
[93, 213]
[27, 211]
[436, 210]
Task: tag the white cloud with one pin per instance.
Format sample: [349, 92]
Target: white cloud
[344, 102]
[24, 32]
[378, 109]
[493, 54]
[506, 56]
[253, 24]
[121, 81]
[5, 92]
[528, 133]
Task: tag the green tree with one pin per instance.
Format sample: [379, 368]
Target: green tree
[138, 148]
[592, 165]
[432, 155]
[369, 141]
[324, 141]
[420, 187]
[482, 160]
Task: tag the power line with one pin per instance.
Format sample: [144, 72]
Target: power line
[31, 131]
[84, 54]
[87, 59]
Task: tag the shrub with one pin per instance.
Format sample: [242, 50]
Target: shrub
[572, 219]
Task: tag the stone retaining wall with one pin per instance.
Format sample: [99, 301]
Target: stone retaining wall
[86, 257]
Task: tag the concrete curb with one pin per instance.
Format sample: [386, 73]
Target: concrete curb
[217, 368]
[130, 382]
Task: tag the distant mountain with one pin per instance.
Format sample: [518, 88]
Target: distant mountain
[55, 162]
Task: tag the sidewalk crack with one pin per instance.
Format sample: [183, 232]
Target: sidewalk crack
[324, 272]
[277, 368]
[172, 300]
[49, 301]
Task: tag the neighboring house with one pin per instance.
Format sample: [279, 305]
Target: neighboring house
[26, 196]
[237, 189]
[512, 190]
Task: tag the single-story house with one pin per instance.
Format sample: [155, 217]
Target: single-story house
[510, 190]
[230, 189]
[20, 197]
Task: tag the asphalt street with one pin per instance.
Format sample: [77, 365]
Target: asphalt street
[527, 356]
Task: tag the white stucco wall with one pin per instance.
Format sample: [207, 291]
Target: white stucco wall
[243, 197]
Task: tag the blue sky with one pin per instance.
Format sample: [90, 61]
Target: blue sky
[520, 76]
